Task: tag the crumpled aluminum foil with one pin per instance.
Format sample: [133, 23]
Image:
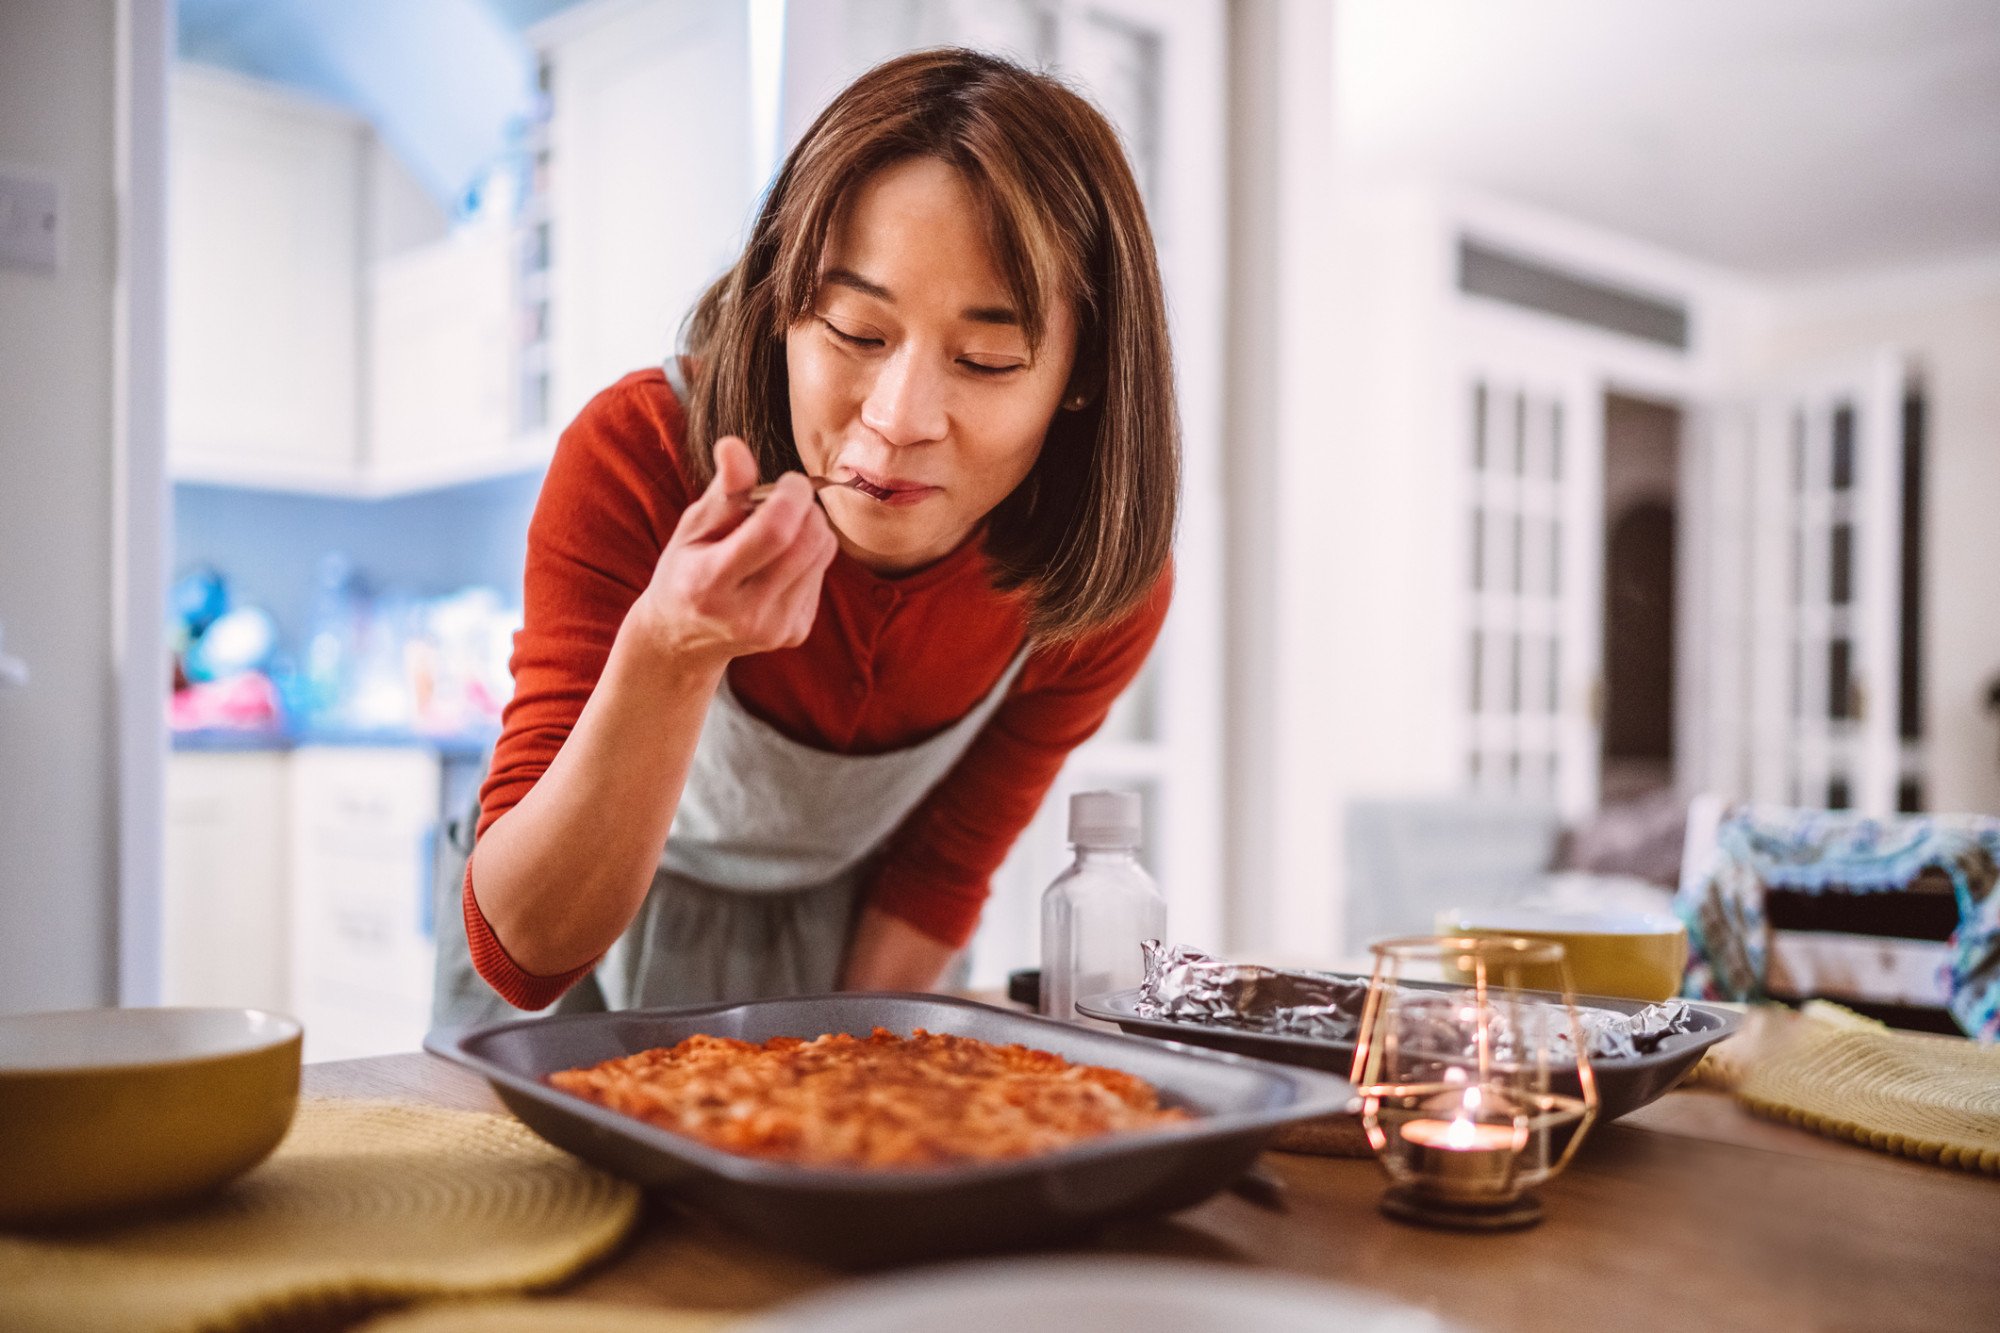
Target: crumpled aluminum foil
[1187, 986]
[1182, 985]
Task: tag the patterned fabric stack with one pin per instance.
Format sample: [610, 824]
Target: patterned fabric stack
[1896, 918]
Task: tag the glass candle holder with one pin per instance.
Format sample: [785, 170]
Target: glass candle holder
[1455, 1063]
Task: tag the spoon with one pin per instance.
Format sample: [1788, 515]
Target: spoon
[756, 495]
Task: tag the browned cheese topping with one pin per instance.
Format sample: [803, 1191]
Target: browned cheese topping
[883, 1101]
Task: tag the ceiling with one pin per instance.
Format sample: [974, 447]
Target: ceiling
[1775, 136]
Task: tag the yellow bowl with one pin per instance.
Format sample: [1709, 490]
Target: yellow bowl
[103, 1110]
[1636, 955]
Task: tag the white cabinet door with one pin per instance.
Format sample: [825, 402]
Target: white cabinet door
[225, 914]
[441, 364]
[651, 179]
[263, 295]
[364, 827]
[323, 336]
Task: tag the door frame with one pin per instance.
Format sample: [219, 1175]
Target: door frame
[141, 500]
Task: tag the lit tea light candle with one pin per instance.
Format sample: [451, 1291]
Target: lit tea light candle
[1462, 1159]
[1460, 1135]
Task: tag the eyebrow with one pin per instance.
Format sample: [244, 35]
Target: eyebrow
[979, 314]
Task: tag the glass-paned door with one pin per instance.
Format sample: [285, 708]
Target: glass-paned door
[1842, 443]
[1806, 636]
[1531, 448]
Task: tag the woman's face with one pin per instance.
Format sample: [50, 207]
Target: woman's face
[913, 372]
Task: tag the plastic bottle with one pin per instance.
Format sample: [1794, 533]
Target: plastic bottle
[1096, 912]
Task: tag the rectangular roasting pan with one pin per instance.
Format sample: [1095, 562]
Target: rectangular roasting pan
[860, 1217]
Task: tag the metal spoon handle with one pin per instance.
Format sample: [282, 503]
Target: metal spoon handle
[756, 495]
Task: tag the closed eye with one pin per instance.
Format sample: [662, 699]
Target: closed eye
[863, 342]
[851, 339]
[980, 368]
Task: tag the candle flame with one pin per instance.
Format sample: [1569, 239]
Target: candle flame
[1460, 1135]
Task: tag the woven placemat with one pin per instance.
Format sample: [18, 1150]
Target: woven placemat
[1325, 1136]
[1765, 1027]
[1928, 1097]
[364, 1204]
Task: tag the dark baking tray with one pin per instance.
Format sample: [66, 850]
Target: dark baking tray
[1622, 1085]
[862, 1217]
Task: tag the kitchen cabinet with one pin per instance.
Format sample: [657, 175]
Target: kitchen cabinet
[328, 331]
[263, 282]
[364, 827]
[652, 178]
[300, 880]
[225, 918]
[441, 385]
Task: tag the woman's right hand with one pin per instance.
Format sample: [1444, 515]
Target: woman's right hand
[735, 580]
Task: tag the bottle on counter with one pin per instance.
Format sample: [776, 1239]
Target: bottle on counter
[1096, 912]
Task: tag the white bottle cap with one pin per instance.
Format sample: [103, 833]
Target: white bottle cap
[1104, 819]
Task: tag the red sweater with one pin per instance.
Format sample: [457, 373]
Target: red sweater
[889, 663]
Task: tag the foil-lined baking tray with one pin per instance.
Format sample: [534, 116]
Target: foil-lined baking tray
[1638, 1051]
[1181, 983]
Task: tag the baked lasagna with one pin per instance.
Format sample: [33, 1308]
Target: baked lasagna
[929, 1099]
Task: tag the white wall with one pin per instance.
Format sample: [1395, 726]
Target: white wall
[58, 843]
[1280, 824]
[1948, 318]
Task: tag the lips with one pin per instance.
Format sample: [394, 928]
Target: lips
[890, 490]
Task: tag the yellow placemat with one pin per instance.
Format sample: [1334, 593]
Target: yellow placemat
[364, 1204]
[1933, 1098]
[1766, 1026]
[545, 1317]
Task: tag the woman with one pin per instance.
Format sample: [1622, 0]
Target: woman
[780, 748]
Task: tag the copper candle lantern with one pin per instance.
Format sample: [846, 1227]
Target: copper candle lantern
[1453, 1061]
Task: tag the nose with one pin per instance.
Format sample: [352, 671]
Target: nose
[906, 401]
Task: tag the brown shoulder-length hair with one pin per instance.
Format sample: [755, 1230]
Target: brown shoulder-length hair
[1087, 533]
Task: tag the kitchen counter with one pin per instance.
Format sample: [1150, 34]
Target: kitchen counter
[1687, 1214]
[235, 740]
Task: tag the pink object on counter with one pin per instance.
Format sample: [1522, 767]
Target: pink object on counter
[246, 702]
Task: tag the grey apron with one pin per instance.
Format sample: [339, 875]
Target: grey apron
[758, 885]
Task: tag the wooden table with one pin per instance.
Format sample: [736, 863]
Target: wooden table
[1688, 1215]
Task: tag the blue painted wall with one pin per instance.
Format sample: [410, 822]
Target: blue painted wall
[268, 545]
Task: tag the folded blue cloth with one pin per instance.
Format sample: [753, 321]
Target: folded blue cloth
[1817, 851]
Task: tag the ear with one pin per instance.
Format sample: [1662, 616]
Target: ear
[1086, 384]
